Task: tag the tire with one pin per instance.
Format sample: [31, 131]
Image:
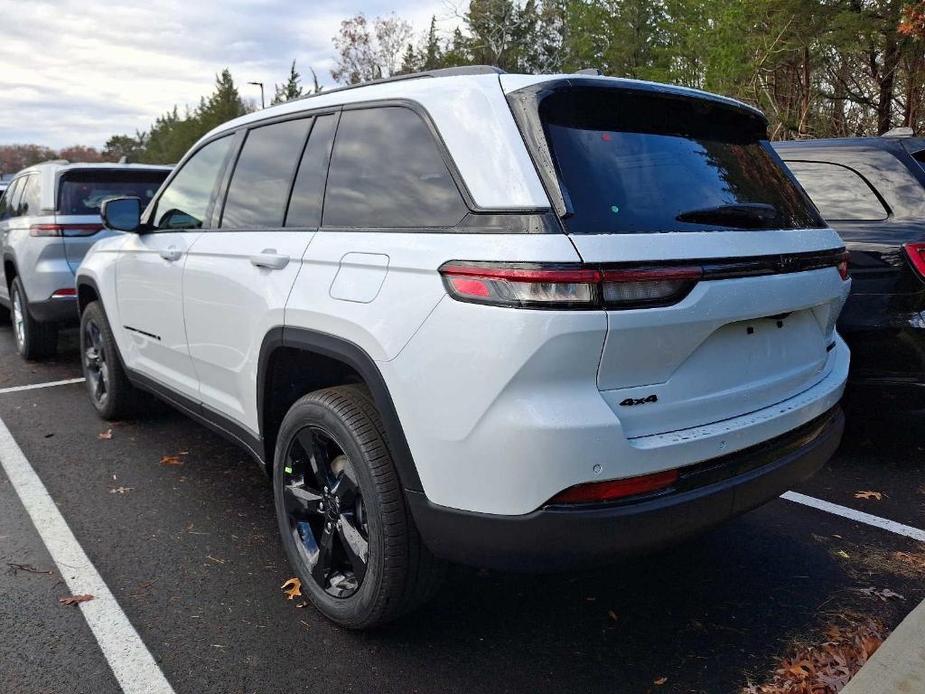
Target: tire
[34, 339]
[338, 499]
[109, 389]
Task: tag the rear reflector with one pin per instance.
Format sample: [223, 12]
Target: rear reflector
[916, 255]
[843, 266]
[65, 293]
[64, 229]
[597, 492]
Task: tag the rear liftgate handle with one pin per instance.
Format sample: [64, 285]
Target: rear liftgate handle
[271, 260]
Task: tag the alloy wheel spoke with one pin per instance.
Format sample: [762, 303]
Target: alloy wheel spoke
[355, 545]
[324, 558]
[346, 488]
[318, 456]
[301, 502]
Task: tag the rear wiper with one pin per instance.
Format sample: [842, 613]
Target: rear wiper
[747, 215]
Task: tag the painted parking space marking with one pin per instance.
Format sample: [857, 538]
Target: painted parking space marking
[131, 662]
[859, 516]
[36, 386]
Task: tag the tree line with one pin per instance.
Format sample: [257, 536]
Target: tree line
[817, 68]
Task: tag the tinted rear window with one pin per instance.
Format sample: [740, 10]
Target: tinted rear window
[840, 193]
[81, 192]
[639, 163]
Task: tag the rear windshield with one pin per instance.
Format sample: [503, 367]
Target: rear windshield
[81, 192]
[633, 162]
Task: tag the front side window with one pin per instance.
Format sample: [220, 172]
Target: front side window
[387, 172]
[82, 191]
[633, 162]
[8, 203]
[185, 201]
[260, 184]
[840, 193]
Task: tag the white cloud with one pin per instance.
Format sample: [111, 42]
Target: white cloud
[78, 71]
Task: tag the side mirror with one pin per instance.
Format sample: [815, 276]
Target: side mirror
[121, 214]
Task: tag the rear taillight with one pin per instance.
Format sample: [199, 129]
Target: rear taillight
[566, 286]
[64, 229]
[64, 293]
[599, 492]
[843, 265]
[916, 254]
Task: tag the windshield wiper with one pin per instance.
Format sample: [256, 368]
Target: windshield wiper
[746, 215]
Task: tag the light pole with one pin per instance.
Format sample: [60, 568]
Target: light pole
[260, 84]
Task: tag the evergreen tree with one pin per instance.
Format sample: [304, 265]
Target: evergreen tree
[290, 89]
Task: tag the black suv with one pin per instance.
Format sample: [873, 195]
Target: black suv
[872, 190]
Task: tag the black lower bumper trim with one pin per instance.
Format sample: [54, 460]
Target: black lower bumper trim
[558, 537]
[62, 311]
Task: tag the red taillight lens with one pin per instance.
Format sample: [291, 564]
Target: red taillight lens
[843, 266]
[523, 286]
[916, 254]
[598, 492]
[64, 229]
[64, 293]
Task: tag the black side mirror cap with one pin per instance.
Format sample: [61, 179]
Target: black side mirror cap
[122, 214]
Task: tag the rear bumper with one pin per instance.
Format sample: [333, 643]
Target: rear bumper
[62, 311]
[559, 537]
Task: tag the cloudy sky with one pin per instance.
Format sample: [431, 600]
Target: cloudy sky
[78, 71]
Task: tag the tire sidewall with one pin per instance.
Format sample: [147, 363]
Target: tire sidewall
[23, 346]
[94, 312]
[356, 609]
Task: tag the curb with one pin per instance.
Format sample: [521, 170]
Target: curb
[899, 664]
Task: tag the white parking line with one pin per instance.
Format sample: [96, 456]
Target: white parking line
[858, 516]
[131, 662]
[35, 386]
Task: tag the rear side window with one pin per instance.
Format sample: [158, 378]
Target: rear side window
[81, 192]
[387, 172]
[260, 184]
[31, 201]
[308, 190]
[840, 193]
[631, 162]
[185, 201]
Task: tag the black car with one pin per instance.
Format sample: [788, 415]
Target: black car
[872, 191]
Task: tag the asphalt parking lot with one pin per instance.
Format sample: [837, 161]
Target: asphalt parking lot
[190, 553]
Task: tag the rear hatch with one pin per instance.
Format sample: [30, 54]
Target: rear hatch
[725, 283]
[80, 192]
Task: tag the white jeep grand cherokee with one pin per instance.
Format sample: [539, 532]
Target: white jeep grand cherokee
[518, 321]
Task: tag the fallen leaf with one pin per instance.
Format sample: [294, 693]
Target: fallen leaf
[660, 681]
[843, 554]
[74, 599]
[295, 588]
[612, 615]
[171, 460]
[121, 490]
[884, 594]
[106, 435]
[869, 495]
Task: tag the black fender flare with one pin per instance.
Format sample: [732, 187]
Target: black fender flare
[355, 357]
[83, 281]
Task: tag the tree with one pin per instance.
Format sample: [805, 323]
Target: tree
[128, 147]
[290, 89]
[223, 104]
[14, 158]
[81, 154]
[367, 53]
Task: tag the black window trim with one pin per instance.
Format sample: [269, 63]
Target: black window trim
[880, 198]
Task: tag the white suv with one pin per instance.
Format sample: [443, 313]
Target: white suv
[527, 322]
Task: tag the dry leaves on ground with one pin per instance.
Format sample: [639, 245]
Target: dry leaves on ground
[172, 459]
[660, 681]
[74, 599]
[105, 435]
[827, 667]
[295, 588]
[916, 561]
[884, 594]
[869, 495]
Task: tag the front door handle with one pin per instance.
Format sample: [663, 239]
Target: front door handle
[171, 254]
[271, 260]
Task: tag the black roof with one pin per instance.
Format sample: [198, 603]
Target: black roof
[893, 144]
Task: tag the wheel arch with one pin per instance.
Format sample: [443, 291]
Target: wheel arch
[322, 360]
[87, 291]
[9, 269]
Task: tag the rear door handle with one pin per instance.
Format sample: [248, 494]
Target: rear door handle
[171, 254]
[271, 260]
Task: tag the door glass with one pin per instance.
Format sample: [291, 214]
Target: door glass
[839, 192]
[8, 203]
[308, 191]
[263, 175]
[31, 203]
[387, 172]
[185, 201]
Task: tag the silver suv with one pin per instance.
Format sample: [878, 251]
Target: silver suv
[49, 218]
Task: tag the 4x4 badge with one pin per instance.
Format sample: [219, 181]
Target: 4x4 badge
[630, 402]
